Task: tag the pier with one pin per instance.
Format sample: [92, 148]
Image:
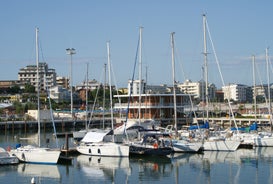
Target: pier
[68, 124]
[60, 124]
[241, 122]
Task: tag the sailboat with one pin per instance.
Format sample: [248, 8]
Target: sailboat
[215, 142]
[254, 137]
[78, 135]
[136, 126]
[32, 153]
[152, 142]
[94, 142]
[179, 144]
[265, 139]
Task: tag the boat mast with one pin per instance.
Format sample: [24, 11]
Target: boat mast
[205, 65]
[110, 86]
[103, 105]
[86, 97]
[268, 88]
[174, 83]
[254, 88]
[140, 74]
[38, 87]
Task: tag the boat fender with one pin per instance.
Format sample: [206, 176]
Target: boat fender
[23, 156]
[8, 148]
[32, 180]
[155, 145]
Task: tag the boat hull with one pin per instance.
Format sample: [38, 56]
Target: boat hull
[104, 149]
[9, 160]
[182, 146]
[136, 149]
[263, 141]
[221, 145]
[36, 155]
[6, 158]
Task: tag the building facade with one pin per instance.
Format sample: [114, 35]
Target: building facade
[237, 93]
[91, 85]
[197, 89]
[62, 81]
[59, 94]
[47, 76]
[154, 104]
[9, 83]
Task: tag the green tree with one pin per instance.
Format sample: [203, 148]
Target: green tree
[29, 88]
[15, 89]
[19, 108]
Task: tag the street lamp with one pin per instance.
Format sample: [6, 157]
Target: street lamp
[71, 51]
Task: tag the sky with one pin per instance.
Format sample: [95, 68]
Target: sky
[237, 29]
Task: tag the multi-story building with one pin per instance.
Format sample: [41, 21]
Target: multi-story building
[237, 92]
[62, 81]
[92, 85]
[197, 89]
[154, 104]
[47, 76]
[8, 83]
[59, 94]
[261, 92]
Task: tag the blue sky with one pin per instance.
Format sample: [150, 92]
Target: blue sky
[238, 29]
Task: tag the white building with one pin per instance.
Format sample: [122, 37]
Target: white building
[44, 114]
[47, 76]
[197, 89]
[236, 92]
[62, 81]
[59, 94]
[92, 85]
[133, 87]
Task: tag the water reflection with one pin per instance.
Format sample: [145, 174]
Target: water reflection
[39, 170]
[241, 166]
[99, 168]
[151, 168]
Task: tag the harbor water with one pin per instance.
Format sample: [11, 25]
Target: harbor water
[241, 166]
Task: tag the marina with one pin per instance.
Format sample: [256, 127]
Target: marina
[240, 166]
[62, 123]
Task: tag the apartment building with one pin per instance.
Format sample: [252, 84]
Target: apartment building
[237, 92]
[47, 76]
[197, 89]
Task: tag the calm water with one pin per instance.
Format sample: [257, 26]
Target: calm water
[242, 166]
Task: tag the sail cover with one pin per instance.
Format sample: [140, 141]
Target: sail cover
[95, 136]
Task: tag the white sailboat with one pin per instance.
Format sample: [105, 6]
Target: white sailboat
[215, 143]
[134, 127]
[31, 153]
[94, 142]
[265, 139]
[255, 138]
[179, 144]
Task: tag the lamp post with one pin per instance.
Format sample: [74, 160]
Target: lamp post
[71, 51]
